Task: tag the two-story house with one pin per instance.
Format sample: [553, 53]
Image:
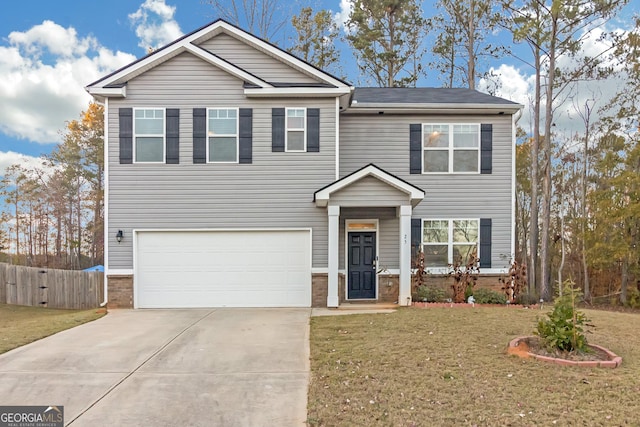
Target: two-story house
[239, 175]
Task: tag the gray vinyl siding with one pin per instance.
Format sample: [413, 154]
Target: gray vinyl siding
[254, 61]
[369, 191]
[275, 191]
[384, 141]
[388, 234]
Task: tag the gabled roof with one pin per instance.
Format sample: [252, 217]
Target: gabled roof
[425, 98]
[112, 84]
[322, 196]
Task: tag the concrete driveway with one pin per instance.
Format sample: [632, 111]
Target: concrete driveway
[199, 367]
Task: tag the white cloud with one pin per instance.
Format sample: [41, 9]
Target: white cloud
[341, 18]
[52, 37]
[8, 158]
[154, 24]
[43, 72]
[518, 85]
[513, 84]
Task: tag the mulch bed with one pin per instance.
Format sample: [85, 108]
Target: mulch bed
[536, 346]
[467, 305]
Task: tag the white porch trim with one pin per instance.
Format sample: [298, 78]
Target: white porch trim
[404, 297]
[334, 233]
[415, 194]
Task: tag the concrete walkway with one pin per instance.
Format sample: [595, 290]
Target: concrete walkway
[200, 367]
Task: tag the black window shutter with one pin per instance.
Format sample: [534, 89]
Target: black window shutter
[199, 135]
[416, 241]
[313, 130]
[246, 135]
[415, 148]
[277, 130]
[486, 147]
[126, 135]
[173, 135]
[485, 242]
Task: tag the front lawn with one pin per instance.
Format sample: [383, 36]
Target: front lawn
[20, 325]
[448, 367]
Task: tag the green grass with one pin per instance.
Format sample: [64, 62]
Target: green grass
[449, 367]
[20, 325]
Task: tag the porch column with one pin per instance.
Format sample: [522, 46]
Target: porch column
[404, 297]
[332, 286]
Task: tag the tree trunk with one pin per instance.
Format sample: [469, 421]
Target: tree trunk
[560, 282]
[471, 61]
[624, 281]
[583, 220]
[452, 62]
[545, 256]
[533, 220]
[391, 69]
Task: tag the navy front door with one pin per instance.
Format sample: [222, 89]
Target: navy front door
[362, 268]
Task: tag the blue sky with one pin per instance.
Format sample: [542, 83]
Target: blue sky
[49, 50]
[108, 23]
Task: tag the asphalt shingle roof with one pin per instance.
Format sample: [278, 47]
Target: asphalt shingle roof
[424, 95]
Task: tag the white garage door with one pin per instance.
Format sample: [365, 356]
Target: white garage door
[223, 269]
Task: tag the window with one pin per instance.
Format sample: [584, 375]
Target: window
[449, 241]
[148, 131]
[450, 148]
[295, 126]
[222, 135]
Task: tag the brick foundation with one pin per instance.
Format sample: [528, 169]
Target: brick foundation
[120, 291]
[319, 291]
[484, 282]
[120, 288]
[387, 289]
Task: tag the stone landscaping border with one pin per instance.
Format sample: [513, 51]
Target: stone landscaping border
[467, 305]
[518, 346]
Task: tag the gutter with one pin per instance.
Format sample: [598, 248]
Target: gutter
[517, 117]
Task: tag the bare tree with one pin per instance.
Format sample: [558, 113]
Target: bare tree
[264, 18]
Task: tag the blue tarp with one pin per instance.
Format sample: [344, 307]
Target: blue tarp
[99, 268]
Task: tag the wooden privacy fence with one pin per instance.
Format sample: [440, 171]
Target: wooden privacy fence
[44, 287]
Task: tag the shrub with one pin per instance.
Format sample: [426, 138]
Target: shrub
[487, 296]
[430, 294]
[633, 298]
[563, 330]
[468, 292]
[525, 299]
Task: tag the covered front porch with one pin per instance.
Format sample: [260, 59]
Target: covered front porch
[369, 237]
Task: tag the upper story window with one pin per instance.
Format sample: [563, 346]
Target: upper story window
[149, 135]
[449, 241]
[222, 135]
[451, 148]
[295, 126]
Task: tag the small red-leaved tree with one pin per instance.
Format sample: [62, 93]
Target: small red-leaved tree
[465, 275]
[515, 282]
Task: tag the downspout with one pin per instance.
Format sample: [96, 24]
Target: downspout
[106, 202]
[516, 117]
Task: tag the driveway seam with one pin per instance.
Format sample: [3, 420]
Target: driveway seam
[116, 385]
